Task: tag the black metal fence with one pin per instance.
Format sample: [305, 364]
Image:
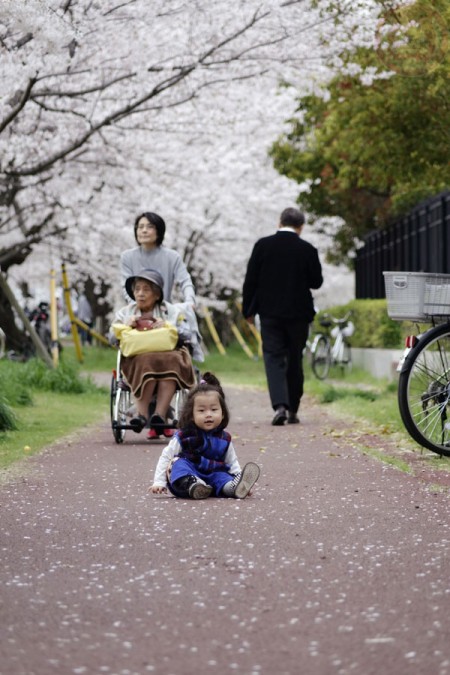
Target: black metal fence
[418, 242]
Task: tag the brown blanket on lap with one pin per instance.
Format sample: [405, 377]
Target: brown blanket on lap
[175, 365]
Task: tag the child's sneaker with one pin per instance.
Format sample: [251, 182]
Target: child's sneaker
[199, 490]
[246, 480]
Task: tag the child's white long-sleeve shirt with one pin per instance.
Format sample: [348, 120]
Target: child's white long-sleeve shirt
[174, 448]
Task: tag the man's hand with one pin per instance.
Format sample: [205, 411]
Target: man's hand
[251, 320]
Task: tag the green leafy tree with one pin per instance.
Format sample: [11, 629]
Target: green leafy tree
[377, 141]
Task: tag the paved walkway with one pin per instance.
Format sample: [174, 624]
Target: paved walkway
[338, 564]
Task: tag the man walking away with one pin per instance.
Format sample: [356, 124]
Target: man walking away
[280, 273]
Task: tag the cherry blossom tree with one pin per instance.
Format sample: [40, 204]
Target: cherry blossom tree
[109, 108]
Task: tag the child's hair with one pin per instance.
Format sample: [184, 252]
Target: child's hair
[208, 382]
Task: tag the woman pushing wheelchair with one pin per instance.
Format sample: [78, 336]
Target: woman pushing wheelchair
[155, 340]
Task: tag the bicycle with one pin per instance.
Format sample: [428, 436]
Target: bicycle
[325, 353]
[424, 369]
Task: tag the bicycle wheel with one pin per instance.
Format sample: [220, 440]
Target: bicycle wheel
[424, 390]
[321, 357]
[346, 357]
[121, 405]
[307, 353]
[2, 344]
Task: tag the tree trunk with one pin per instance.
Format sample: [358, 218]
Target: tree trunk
[38, 346]
[16, 339]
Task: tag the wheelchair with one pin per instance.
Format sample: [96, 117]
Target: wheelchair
[121, 403]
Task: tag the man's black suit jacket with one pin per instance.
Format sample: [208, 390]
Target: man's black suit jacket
[280, 273]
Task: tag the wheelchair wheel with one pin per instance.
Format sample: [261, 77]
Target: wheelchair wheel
[424, 390]
[178, 402]
[120, 404]
[112, 399]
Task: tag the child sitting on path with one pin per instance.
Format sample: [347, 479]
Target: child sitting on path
[200, 459]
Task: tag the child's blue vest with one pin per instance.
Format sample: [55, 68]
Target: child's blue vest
[205, 448]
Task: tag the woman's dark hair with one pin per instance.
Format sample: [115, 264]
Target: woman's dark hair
[155, 220]
[208, 382]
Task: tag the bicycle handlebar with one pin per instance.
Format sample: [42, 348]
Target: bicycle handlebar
[328, 319]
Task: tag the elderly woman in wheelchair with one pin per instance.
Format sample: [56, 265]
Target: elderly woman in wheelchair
[154, 339]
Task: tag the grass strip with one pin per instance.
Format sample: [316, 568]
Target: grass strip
[51, 417]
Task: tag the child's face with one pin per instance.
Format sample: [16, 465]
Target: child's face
[207, 410]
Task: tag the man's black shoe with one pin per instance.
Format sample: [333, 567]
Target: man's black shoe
[293, 418]
[280, 417]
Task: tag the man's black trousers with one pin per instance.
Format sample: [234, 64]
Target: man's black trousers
[283, 342]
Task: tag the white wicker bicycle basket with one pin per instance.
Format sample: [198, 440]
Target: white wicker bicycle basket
[417, 296]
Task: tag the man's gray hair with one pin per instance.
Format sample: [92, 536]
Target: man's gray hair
[292, 218]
